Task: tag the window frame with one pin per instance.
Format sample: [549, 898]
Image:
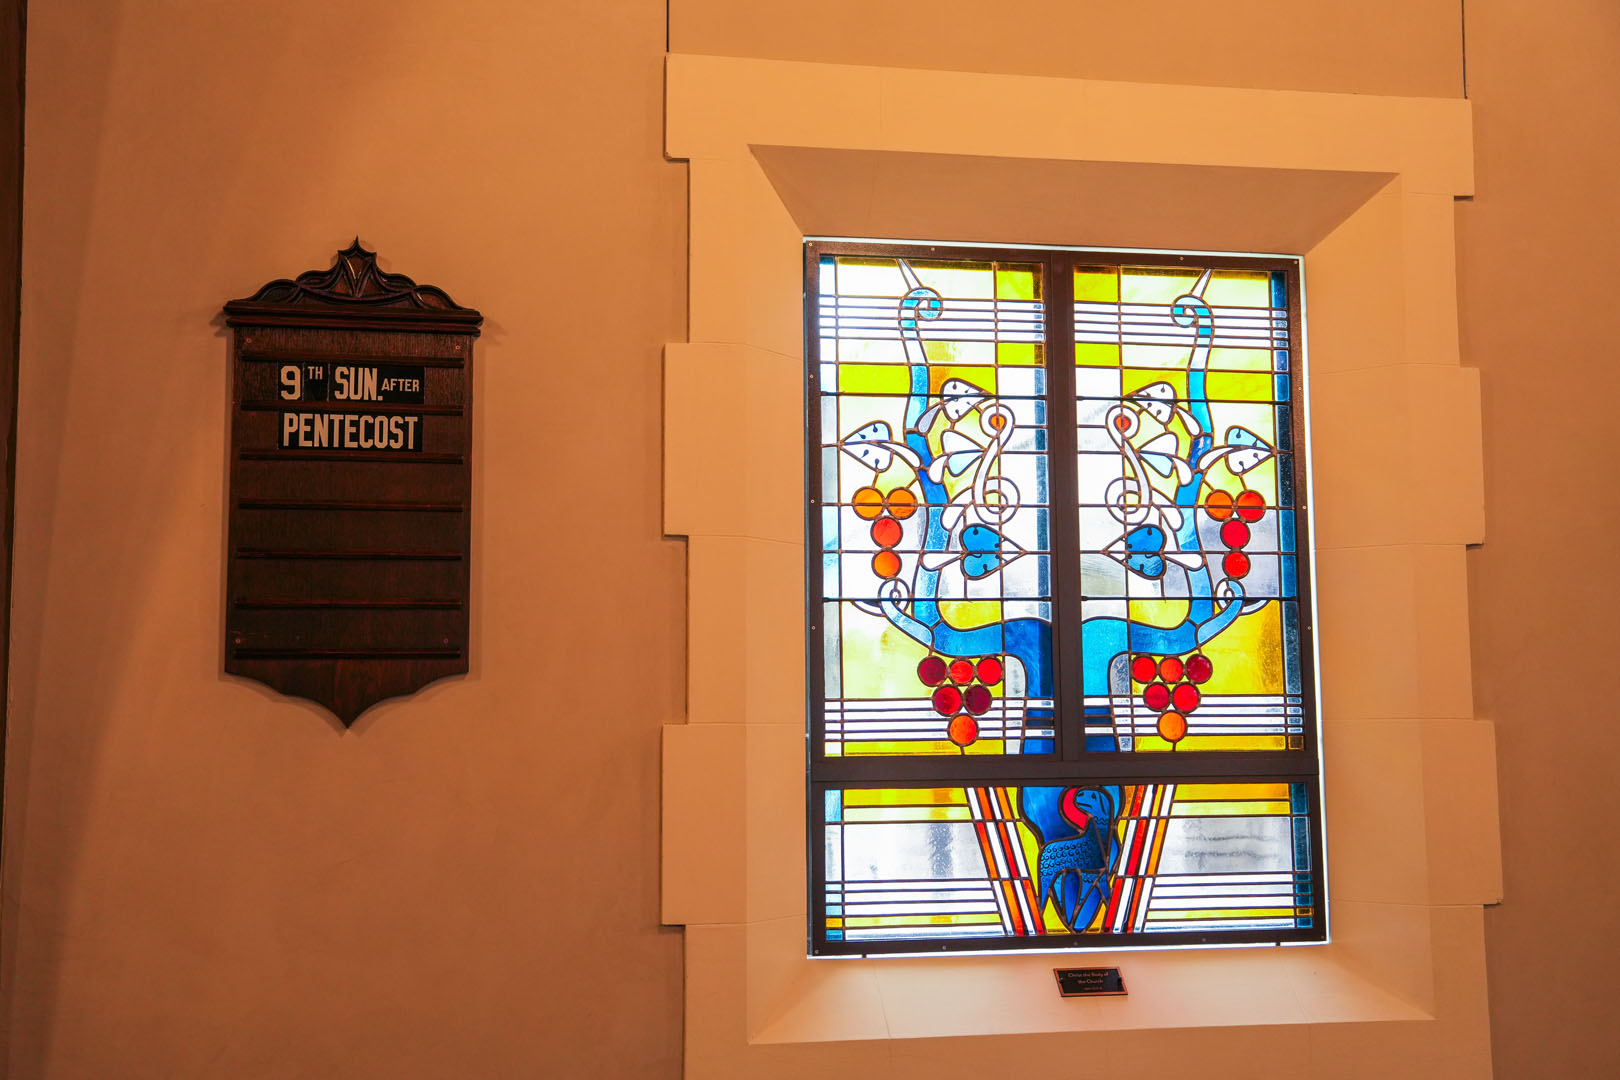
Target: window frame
[1070, 762]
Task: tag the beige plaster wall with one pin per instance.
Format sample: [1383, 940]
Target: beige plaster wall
[1536, 251]
[1410, 47]
[203, 879]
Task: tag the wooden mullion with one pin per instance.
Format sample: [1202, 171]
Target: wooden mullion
[1063, 520]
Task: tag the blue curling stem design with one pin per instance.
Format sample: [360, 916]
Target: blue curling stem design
[1028, 640]
[1107, 638]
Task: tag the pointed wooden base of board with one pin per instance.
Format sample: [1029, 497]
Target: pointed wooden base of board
[347, 687]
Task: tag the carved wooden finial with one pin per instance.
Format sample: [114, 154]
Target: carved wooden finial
[353, 281]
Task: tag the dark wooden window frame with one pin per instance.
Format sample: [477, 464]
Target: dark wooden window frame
[1070, 762]
[13, 57]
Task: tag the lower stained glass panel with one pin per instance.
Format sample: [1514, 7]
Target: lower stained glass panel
[934, 863]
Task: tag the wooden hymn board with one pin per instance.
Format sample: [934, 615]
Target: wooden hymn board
[351, 485]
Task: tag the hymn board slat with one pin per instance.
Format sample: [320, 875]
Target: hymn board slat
[351, 485]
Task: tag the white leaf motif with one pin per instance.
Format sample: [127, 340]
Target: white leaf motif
[1158, 399]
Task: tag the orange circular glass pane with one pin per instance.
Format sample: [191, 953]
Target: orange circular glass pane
[963, 730]
[1251, 506]
[1172, 727]
[868, 502]
[902, 503]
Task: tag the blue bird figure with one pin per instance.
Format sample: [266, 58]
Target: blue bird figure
[1076, 829]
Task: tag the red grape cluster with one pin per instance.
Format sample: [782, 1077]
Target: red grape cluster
[963, 691]
[1170, 688]
[1235, 516]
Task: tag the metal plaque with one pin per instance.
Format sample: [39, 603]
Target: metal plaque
[1090, 982]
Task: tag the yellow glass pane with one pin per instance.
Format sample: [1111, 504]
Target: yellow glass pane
[1247, 658]
[889, 667]
[1096, 284]
[962, 280]
[982, 377]
[1197, 792]
[904, 797]
[879, 749]
[1133, 379]
[1240, 386]
[1227, 809]
[873, 379]
[1228, 359]
[870, 277]
[1153, 744]
[1096, 354]
[968, 353]
[1159, 612]
[1173, 357]
[1224, 913]
[1155, 285]
[1239, 288]
[967, 614]
[954, 919]
[1020, 354]
[1017, 284]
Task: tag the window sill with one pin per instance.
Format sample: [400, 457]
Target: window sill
[952, 997]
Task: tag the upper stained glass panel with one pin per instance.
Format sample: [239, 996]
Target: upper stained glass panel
[935, 511]
[1189, 565]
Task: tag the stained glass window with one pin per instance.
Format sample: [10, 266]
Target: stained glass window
[1061, 675]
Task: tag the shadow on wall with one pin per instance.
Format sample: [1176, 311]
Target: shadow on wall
[57, 742]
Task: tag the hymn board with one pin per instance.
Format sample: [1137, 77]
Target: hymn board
[351, 484]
